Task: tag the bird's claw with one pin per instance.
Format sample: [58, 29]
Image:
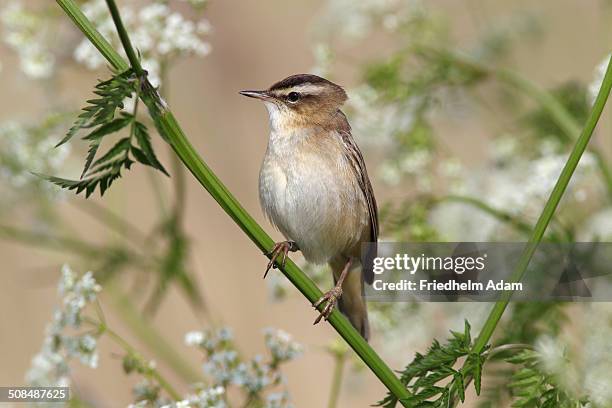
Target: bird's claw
[278, 249]
[331, 297]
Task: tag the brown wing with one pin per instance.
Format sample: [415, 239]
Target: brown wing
[356, 158]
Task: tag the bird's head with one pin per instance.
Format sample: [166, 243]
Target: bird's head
[300, 100]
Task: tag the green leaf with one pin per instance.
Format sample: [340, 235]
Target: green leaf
[459, 385]
[478, 360]
[110, 127]
[91, 153]
[144, 141]
[102, 110]
[121, 147]
[425, 374]
[102, 116]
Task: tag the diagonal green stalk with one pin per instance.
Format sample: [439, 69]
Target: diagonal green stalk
[549, 209]
[170, 130]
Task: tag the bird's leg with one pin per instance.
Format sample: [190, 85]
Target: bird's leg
[280, 248]
[332, 295]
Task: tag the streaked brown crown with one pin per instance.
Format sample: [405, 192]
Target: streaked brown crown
[300, 79]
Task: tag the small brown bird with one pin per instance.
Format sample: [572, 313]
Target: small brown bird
[314, 187]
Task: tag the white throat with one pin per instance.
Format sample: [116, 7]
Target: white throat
[280, 117]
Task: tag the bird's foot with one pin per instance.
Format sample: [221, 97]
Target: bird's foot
[331, 297]
[280, 248]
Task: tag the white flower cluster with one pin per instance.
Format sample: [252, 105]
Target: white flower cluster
[356, 19]
[50, 367]
[158, 32]
[377, 122]
[197, 3]
[209, 341]
[147, 393]
[206, 398]
[519, 188]
[26, 33]
[281, 345]
[528, 185]
[278, 400]
[24, 149]
[226, 368]
[584, 373]
[374, 121]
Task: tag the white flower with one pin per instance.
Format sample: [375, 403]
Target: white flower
[356, 19]
[552, 354]
[156, 31]
[76, 294]
[278, 400]
[597, 227]
[323, 57]
[206, 398]
[415, 162]
[221, 365]
[194, 338]
[197, 3]
[25, 149]
[281, 345]
[50, 367]
[26, 33]
[600, 72]
[376, 121]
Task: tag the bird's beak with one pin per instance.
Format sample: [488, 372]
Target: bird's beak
[263, 95]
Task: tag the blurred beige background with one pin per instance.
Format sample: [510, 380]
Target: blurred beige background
[254, 44]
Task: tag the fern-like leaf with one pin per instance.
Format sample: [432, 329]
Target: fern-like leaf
[425, 375]
[148, 155]
[531, 386]
[102, 117]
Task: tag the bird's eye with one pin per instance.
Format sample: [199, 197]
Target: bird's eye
[293, 97]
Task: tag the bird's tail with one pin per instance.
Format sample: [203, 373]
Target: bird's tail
[352, 302]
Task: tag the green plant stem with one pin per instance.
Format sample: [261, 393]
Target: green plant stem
[334, 394]
[158, 194]
[549, 209]
[170, 130]
[128, 312]
[178, 171]
[125, 39]
[96, 39]
[152, 372]
[149, 335]
[54, 242]
[516, 222]
[111, 220]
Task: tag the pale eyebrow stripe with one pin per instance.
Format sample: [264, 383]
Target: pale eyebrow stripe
[303, 88]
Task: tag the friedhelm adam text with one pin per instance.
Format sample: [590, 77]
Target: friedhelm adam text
[458, 265]
[451, 285]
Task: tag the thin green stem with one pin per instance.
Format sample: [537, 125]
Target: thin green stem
[125, 39]
[334, 393]
[49, 241]
[128, 312]
[111, 220]
[549, 210]
[105, 48]
[516, 222]
[153, 177]
[170, 130]
[152, 372]
[149, 335]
